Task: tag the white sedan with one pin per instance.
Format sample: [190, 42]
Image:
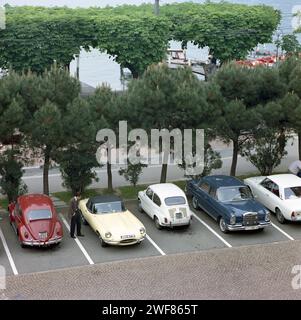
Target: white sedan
[166, 204]
[279, 193]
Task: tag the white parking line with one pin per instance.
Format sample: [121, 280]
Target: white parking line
[283, 232]
[155, 245]
[83, 250]
[9, 256]
[210, 229]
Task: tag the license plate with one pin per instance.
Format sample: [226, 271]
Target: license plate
[251, 228]
[179, 215]
[130, 236]
[43, 235]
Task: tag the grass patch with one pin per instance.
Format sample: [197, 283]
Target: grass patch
[3, 203]
[67, 195]
[127, 192]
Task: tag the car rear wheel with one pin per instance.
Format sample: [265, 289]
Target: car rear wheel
[157, 223]
[195, 203]
[223, 225]
[280, 216]
[140, 206]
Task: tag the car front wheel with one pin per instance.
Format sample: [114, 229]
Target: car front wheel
[157, 223]
[195, 203]
[223, 225]
[280, 216]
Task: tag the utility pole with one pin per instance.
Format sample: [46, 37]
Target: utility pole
[157, 7]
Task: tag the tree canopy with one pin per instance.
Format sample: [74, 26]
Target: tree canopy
[36, 36]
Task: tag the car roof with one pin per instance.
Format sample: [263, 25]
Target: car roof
[286, 180]
[218, 181]
[167, 190]
[34, 201]
[104, 199]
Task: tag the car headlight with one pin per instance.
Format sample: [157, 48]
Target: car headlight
[108, 234]
[142, 230]
[267, 216]
[233, 218]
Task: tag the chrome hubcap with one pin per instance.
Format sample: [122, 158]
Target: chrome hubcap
[195, 203]
[222, 224]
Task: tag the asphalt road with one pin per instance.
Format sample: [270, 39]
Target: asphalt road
[34, 179]
[202, 235]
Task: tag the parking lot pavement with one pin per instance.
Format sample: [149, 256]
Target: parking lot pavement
[4, 262]
[293, 229]
[203, 234]
[195, 237]
[254, 272]
[244, 238]
[29, 260]
[113, 253]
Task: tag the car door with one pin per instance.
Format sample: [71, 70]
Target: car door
[18, 217]
[147, 202]
[202, 194]
[215, 208]
[88, 212]
[157, 211]
[269, 194]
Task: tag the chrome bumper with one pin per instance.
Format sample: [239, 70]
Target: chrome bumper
[120, 243]
[175, 223]
[239, 226]
[35, 243]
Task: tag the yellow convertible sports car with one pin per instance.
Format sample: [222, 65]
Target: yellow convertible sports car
[109, 218]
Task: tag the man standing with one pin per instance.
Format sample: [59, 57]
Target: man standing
[74, 214]
[295, 168]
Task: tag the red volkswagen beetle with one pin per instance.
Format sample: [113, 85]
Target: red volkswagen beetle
[34, 219]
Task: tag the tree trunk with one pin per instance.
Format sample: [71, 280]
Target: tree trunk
[234, 158]
[46, 172]
[299, 145]
[163, 173]
[110, 180]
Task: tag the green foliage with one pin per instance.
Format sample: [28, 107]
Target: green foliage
[236, 92]
[212, 161]
[132, 172]
[290, 44]
[35, 37]
[77, 156]
[11, 175]
[229, 30]
[167, 99]
[264, 149]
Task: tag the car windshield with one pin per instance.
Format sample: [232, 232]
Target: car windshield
[174, 201]
[42, 214]
[108, 207]
[292, 193]
[234, 194]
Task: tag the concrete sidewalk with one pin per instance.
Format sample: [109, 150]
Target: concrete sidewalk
[253, 272]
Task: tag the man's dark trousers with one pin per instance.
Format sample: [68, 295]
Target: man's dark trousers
[75, 221]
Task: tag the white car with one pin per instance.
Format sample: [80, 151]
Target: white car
[279, 193]
[166, 204]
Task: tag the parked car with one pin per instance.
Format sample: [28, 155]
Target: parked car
[280, 193]
[166, 204]
[228, 201]
[112, 222]
[34, 219]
